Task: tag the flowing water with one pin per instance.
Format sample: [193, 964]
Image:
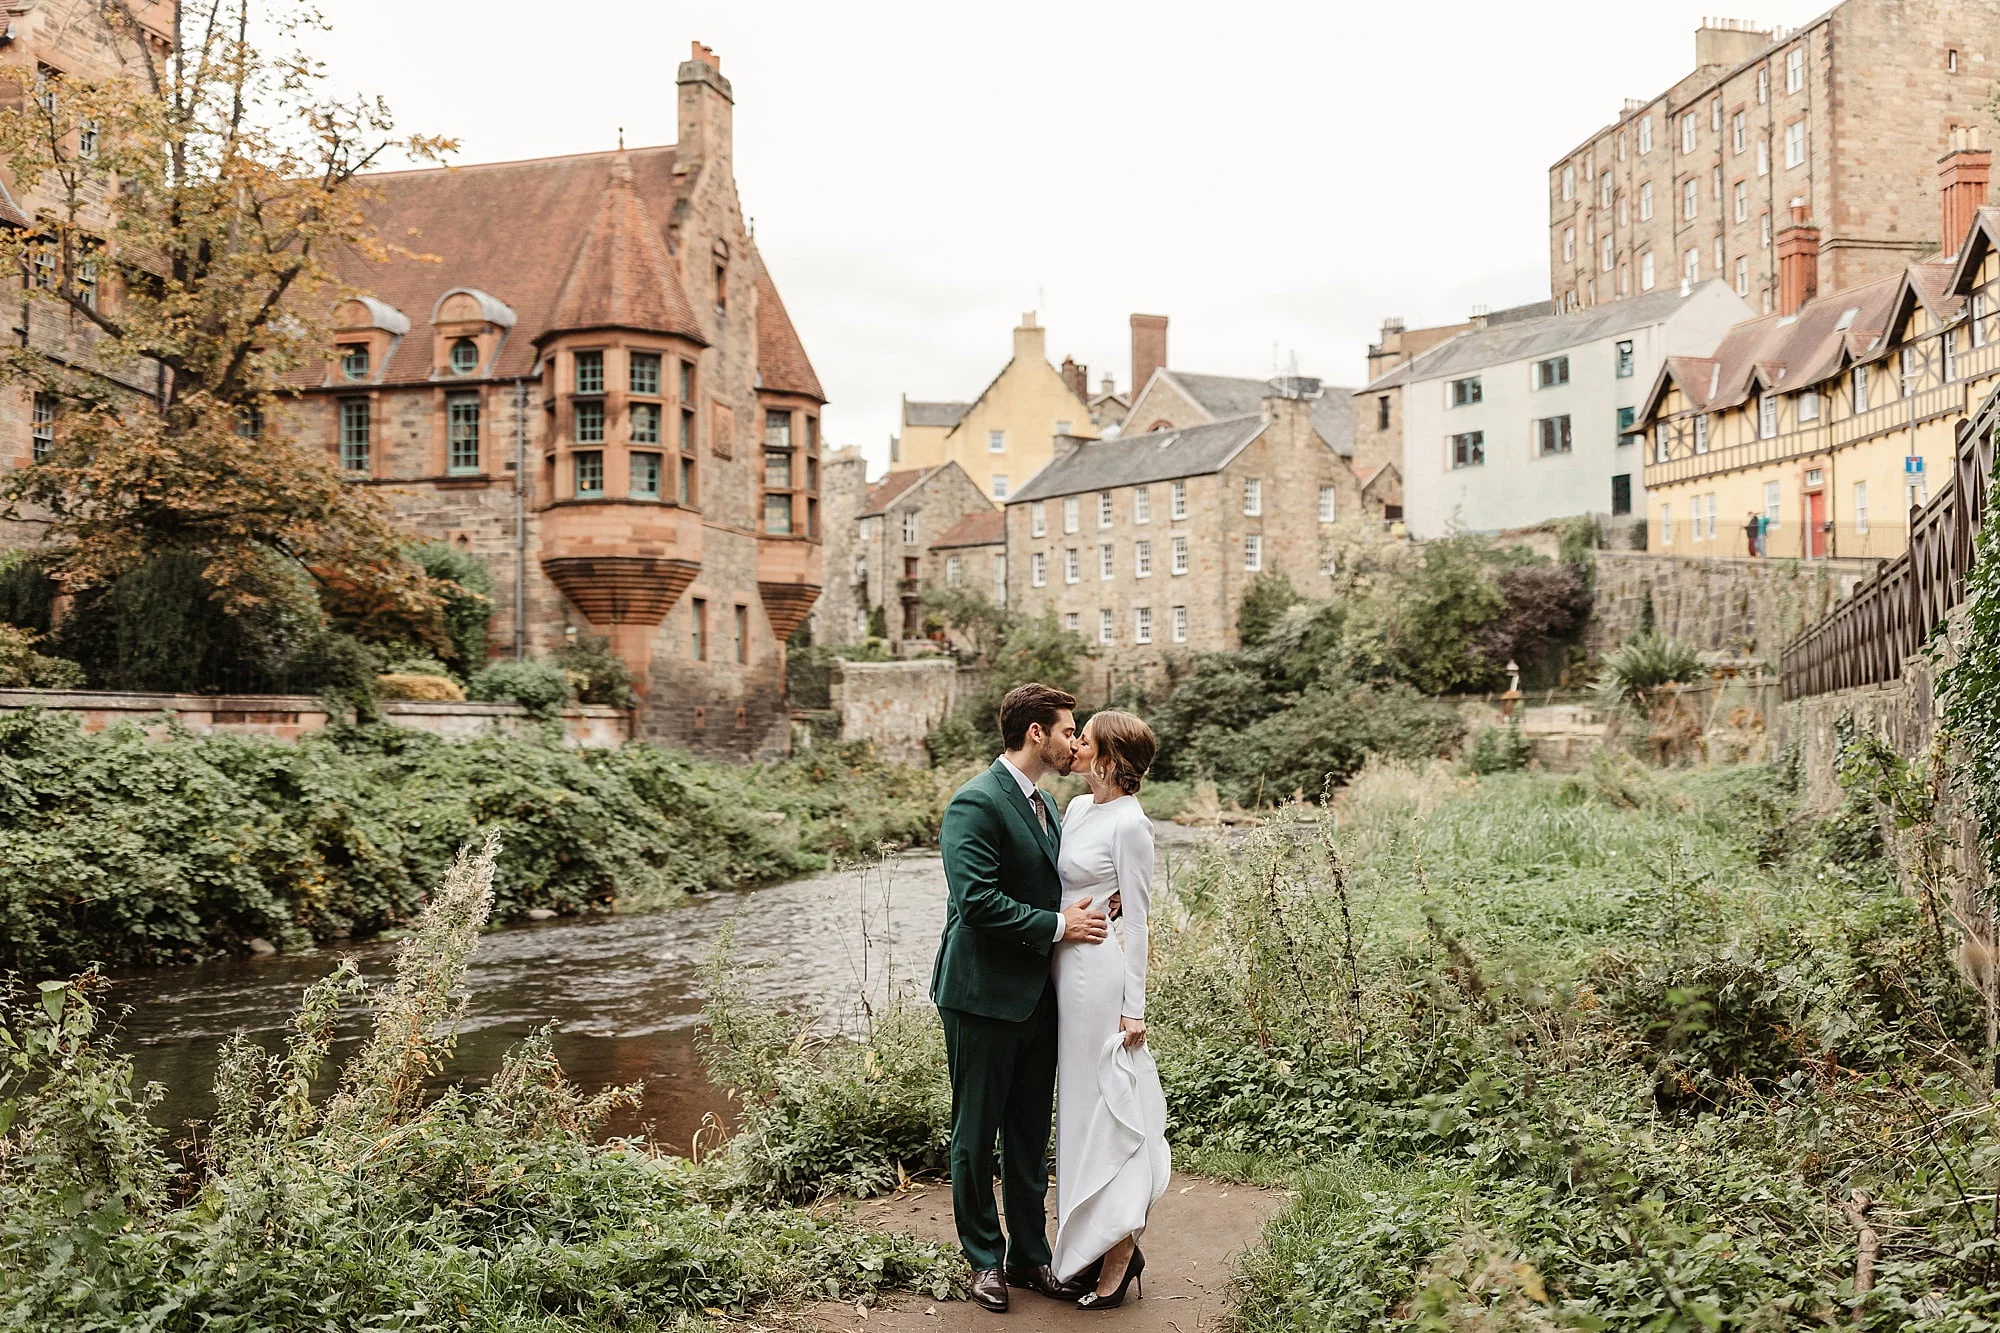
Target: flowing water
[622, 990]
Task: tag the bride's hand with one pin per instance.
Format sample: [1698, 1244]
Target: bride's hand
[1134, 1030]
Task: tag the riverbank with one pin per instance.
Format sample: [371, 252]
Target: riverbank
[120, 850]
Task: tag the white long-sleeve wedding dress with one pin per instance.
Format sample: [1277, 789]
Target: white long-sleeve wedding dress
[1112, 1163]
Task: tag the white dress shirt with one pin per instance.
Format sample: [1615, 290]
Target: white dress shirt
[1031, 792]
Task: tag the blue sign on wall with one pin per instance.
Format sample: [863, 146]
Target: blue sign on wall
[1913, 465]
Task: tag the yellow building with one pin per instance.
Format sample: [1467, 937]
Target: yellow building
[1813, 432]
[1005, 435]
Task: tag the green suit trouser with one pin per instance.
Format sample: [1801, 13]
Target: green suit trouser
[1003, 1085]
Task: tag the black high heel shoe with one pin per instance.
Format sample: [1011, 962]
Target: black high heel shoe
[1093, 1301]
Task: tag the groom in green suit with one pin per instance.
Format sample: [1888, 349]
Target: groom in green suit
[1003, 914]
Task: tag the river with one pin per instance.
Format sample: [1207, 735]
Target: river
[622, 989]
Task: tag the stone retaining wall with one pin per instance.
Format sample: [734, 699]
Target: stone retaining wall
[288, 716]
[895, 705]
[1749, 608]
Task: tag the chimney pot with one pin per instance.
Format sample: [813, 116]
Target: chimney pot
[1962, 177]
[1149, 349]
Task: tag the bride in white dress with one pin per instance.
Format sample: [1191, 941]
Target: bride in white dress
[1112, 1163]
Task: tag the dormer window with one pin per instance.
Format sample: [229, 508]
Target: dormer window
[590, 372]
[354, 362]
[464, 357]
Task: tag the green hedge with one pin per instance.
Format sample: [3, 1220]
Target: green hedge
[122, 850]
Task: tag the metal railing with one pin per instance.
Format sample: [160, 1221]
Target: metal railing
[1864, 640]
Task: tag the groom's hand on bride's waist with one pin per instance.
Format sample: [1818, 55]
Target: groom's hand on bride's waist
[1082, 925]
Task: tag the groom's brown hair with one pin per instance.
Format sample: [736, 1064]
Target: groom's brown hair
[1025, 705]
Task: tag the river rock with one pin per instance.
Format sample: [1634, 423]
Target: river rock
[539, 914]
[260, 945]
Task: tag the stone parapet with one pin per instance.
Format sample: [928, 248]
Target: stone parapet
[287, 717]
[894, 705]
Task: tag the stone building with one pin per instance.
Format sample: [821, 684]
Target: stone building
[904, 512]
[1828, 420]
[46, 42]
[971, 554]
[1145, 543]
[839, 616]
[1843, 115]
[1165, 398]
[595, 387]
[1536, 419]
[1006, 434]
[1378, 409]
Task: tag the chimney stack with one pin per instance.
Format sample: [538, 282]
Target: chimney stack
[1962, 175]
[1798, 261]
[706, 106]
[1149, 349]
[1030, 339]
[1077, 377]
[1107, 386]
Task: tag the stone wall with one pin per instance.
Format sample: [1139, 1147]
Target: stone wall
[288, 717]
[1749, 608]
[894, 705]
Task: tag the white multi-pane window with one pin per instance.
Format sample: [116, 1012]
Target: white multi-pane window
[1142, 560]
[1104, 509]
[1106, 625]
[1763, 85]
[1701, 433]
[1177, 551]
[996, 441]
[1253, 496]
[1253, 552]
[1715, 115]
[1948, 354]
[1142, 624]
[1662, 443]
[1715, 183]
[1177, 504]
[1908, 364]
[1604, 259]
[954, 570]
[1038, 570]
[1666, 525]
[1690, 198]
[1180, 624]
[1604, 191]
[1646, 134]
[1772, 502]
[1569, 245]
[1646, 272]
[1808, 406]
[1763, 157]
[1795, 69]
[1795, 144]
[1742, 201]
[1104, 561]
[1142, 505]
[1645, 201]
[1073, 621]
[1718, 254]
[1569, 182]
[1691, 265]
[1767, 415]
[1326, 502]
[1069, 513]
[1861, 507]
[1072, 565]
[1979, 307]
[1861, 388]
[1687, 132]
[42, 430]
[999, 485]
[1739, 133]
[1038, 519]
[1711, 515]
[910, 527]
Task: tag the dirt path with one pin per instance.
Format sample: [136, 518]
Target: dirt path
[1192, 1240]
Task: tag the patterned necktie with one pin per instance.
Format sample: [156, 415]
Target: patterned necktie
[1041, 811]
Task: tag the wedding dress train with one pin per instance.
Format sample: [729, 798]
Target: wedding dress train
[1112, 1163]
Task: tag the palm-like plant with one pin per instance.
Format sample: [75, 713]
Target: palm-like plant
[1639, 667]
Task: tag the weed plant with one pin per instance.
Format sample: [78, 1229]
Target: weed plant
[378, 1208]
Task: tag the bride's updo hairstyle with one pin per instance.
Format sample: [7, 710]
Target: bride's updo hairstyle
[1126, 745]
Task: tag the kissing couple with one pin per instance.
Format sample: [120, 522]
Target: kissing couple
[1037, 994]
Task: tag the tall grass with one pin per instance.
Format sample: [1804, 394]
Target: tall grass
[384, 1207]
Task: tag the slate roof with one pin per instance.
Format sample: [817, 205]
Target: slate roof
[621, 276]
[515, 229]
[1518, 340]
[987, 529]
[1225, 396]
[1129, 460]
[893, 487]
[933, 414]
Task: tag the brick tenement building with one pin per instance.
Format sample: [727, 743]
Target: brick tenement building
[595, 387]
[1145, 543]
[1844, 114]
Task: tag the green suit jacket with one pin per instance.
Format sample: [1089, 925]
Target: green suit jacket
[1003, 900]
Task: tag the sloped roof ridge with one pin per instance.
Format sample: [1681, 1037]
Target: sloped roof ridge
[465, 167]
[782, 363]
[621, 276]
[1130, 460]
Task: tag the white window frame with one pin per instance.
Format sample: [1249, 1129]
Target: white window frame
[1688, 132]
[1072, 565]
[1103, 510]
[1742, 275]
[1645, 134]
[1795, 144]
[999, 486]
[1180, 624]
[1666, 525]
[1774, 498]
[1106, 563]
[1763, 157]
[1038, 569]
[1073, 622]
[1328, 498]
[1177, 506]
[1569, 182]
[1569, 245]
[1767, 415]
[1605, 259]
[1795, 69]
[1071, 508]
[1253, 497]
[910, 527]
[1861, 507]
[1691, 264]
[1948, 354]
[1645, 201]
[1808, 406]
[954, 570]
[1690, 199]
[1739, 133]
[1253, 553]
[1142, 624]
[996, 441]
[1742, 209]
[1177, 552]
[1038, 519]
[1107, 625]
[1646, 271]
[1142, 505]
[1142, 560]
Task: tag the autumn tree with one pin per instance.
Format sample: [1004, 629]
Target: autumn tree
[187, 212]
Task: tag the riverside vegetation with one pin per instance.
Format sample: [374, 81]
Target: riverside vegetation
[1621, 1050]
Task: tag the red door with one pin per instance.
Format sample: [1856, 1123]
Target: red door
[1815, 525]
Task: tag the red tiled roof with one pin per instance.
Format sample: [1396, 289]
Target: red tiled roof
[988, 529]
[886, 491]
[1774, 352]
[621, 276]
[782, 363]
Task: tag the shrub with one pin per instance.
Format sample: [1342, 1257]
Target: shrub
[1498, 750]
[1635, 670]
[21, 667]
[539, 687]
[598, 675]
[425, 688]
[466, 587]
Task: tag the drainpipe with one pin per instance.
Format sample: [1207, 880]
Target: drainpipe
[520, 519]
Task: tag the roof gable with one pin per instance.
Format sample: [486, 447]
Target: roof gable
[621, 276]
[782, 363]
[1985, 234]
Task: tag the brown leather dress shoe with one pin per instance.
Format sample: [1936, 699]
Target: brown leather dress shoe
[1042, 1278]
[989, 1289]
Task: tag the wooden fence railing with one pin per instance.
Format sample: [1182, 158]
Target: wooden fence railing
[1864, 640]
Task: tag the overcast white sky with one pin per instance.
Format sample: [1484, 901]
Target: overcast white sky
[1276, 178]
